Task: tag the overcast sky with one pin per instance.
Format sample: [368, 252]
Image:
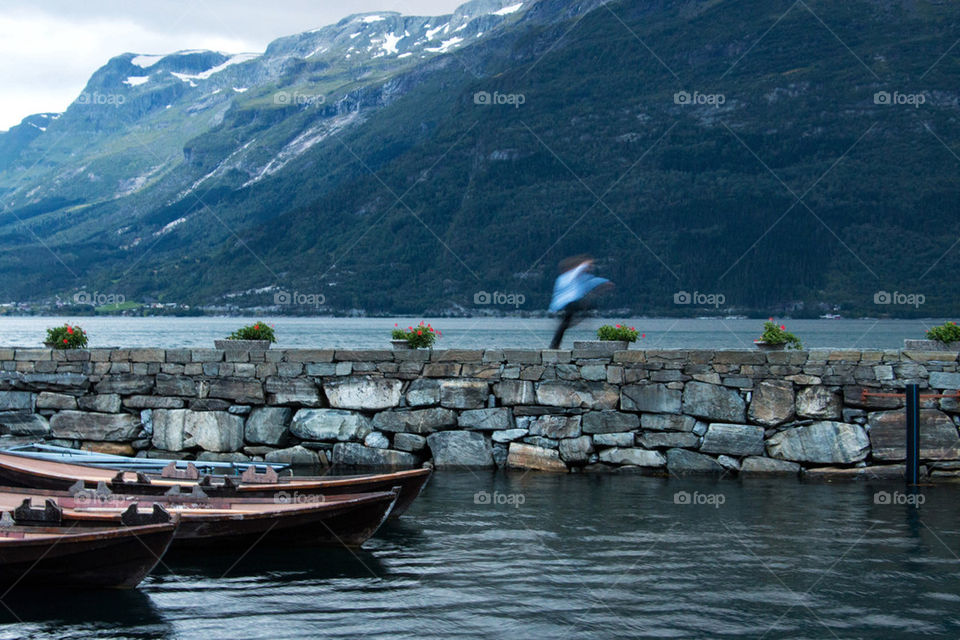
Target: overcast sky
[48, 49]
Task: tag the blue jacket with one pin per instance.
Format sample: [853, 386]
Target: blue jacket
[572, 286]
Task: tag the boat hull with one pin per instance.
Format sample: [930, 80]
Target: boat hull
[117, 558]
[23, 471]
[348, 520]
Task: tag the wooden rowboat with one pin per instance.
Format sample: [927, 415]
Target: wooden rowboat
[51, 556]
[23, 471]
[348, 520]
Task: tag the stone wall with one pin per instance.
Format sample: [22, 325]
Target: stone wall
[653, 411]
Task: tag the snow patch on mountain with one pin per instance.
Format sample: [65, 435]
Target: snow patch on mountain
[389, 44]
[136, 81]
[167, 228]
[203, 75]
[145, 61]
[445, 46]
[508, 10]
[302, 143]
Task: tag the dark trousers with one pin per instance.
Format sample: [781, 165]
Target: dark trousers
[568, 317]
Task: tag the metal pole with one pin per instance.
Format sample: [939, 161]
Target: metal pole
[912, 475]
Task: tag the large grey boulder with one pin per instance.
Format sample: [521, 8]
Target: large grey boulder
[464, 394]
[460, 450]
[944, 380]
[664, 439]
[633, 456]
[175, 385]
[101, 403]
[576, 450]
[713, 402]
[297, 455]
[125, 384]
[772, 403]
[609, 422]
[820, 442]
[17, 401]
[363, 393]
[758, 465]
[376, 440]
[423, 392]
[528, 456]
[181, 429]
[938, 435]
[23, 423]
[51, 400]
[65, 382]
[555, 426]
[409, 442]
[515, 392]
[421, 421]
[578, 394]
[293, 391]
[492, 419]
[682, 462]
[508, 435]
[237, 390]
[819, 402]
[268, 425]
[354, 454]
[667, 422]
[325, 425]
[650, 398]
[733, 439]
[80, 425]
[614, 439]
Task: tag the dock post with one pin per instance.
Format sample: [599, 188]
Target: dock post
[912, 475]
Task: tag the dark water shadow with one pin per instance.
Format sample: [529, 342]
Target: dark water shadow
[276, 563]
[102, 608]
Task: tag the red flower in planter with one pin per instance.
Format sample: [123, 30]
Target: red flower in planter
[419, 332]
[64, 341]
[783, 327]
[69, 329]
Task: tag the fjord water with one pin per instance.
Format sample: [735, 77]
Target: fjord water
[496, 555]
[461, 333]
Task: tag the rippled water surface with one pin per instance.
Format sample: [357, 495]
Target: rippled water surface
[581, 557]
[462, 333]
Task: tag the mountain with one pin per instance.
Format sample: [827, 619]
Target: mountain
[749, 157]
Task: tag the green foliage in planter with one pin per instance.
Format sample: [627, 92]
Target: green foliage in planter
[259, 331]
[618, 332]
[66, 337]
[422, 335]
[947, 332]
[772, 334]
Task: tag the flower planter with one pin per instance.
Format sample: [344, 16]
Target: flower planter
[605, 347]
[400, 344]
[930, 345]
[770, 346]
[242, 345]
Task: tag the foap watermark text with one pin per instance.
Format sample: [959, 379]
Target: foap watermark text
[499, 298]
[499, 99]
[899, 298]
[512, 499]
[699, 299]
[299, 299]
